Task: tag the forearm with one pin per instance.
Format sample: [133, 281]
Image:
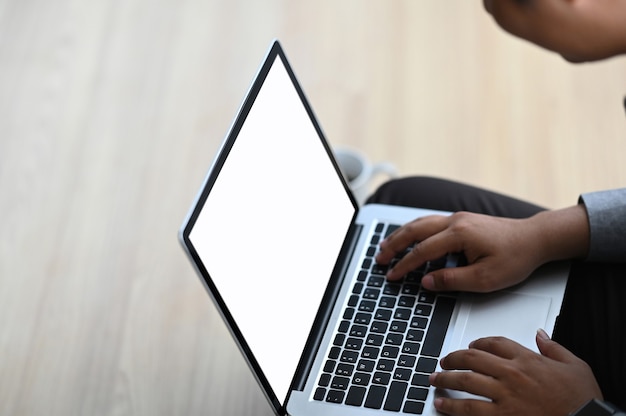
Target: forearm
[561, 234]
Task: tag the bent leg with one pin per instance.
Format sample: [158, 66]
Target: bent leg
[592, 323]
[443, 195]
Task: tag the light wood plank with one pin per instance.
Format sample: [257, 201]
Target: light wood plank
[111, 112]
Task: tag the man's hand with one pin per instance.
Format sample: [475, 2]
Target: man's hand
[518, 381]
[579, 30]
[500, 252]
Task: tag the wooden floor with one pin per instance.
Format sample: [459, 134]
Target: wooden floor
[111, 113]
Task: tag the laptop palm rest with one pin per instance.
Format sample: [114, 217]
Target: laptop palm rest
[512, 315]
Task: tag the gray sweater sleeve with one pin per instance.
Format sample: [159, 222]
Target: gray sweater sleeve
[607, 222]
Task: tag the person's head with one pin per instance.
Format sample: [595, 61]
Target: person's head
[579, 30]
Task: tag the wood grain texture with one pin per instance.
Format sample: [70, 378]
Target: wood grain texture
[111, 113]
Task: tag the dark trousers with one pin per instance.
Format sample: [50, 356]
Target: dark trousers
[592, 323]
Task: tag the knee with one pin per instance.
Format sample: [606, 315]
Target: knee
[408, 191]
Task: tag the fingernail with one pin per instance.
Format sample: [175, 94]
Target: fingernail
[438, 403]
[542, 334]
[432, 378]
[428, 282]
[442, 361]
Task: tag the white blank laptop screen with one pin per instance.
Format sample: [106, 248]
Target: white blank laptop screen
[272, 226]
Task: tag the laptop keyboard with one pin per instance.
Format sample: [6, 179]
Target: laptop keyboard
[389, 339]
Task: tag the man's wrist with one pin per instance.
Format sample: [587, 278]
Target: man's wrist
[562, 234]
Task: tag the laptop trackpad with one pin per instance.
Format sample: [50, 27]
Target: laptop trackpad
[512, 315]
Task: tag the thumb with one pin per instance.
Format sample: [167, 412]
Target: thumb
[552, 349]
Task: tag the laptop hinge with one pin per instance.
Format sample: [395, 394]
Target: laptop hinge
[326, 308]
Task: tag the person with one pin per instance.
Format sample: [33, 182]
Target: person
[586, 358]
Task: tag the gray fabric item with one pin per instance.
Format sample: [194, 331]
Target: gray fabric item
[607, 223]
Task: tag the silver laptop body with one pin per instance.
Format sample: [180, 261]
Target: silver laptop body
[281, 246]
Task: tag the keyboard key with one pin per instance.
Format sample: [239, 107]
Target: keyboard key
[334, 353]
[420, 380]
[324, 381]
[411, 348]
[406, 301]
[371, 293]
[395, 396]
[416, 408]
[348, 313]
[426, 365]
[390, 351]
[354, 344]
[398, 326]
[387, 302]
[381, 378]
[353, 301]
[406, 361]
[403, 374]
[339, 339]
[358, 331]
[414, 335]
[340, 383]
[391, 229]
[344, 326]
[394, 339]
[362, 276]
[380, 269]
[355, 396]
[379, 327]
[320, 393]
[375, 397]
[371, 251]
[374, 340]
[344, 370]
[391, 289]
[361, 379]
[414, 277]
[367, 306]
[329, 367]
[383, 314]
[423, 310]
[403, 314]
[426, 297]
[370, 352]
[417, 393]
[376, 281]
[367, 263]
[366, 366]
[362, 318]
[438, 326]
[385, 364]
[335, 396]
[379, 227]
[419, 323]
[410, 289]
[349, 357]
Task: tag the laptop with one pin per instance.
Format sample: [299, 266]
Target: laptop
[287, 256]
